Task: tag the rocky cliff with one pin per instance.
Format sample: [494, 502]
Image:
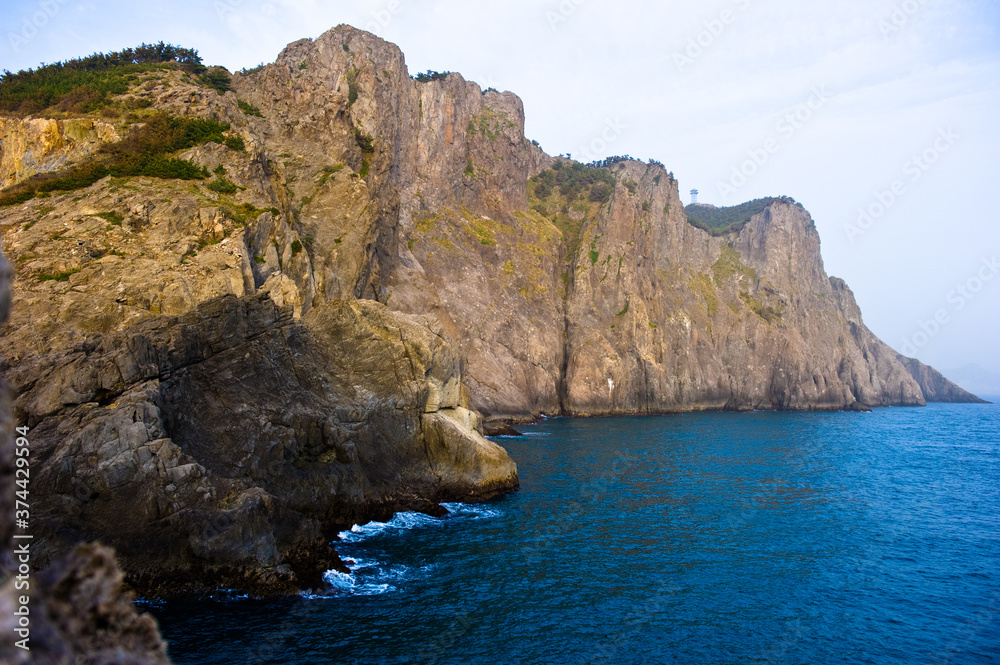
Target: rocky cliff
[222, 371]
[76, 610]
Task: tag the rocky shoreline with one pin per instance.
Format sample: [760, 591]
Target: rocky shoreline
[220, 374]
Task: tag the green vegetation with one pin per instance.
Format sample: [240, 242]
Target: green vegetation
[222, 186]
[367, 145]
[252, 70]
[568, 195]
[352, 86]
[490, 123]
[575, 181]
[217, 79]
[483, 232]
[720, 221]
[702, 284]
[431, 75]
[729, 264]
[328, 172]
[235, 143]
[364, 141]
[84, 85]
[296, 247]
[245, 213]
[249, 109]
[769, 314]
[57, 277]
[303, 65]
[259, 260]
[470, 170]
[115, 218]
[144, 152]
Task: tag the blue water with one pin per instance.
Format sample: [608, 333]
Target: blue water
[702, 538]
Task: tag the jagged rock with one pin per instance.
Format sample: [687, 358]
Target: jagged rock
[500, 429]
[41, 145]
[228, 379]
[227, 446]
[77, 611]
[80, 614]
[935, 386]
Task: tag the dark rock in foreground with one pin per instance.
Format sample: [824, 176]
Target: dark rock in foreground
[76, 609]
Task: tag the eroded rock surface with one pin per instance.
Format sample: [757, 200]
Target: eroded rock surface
[77, 611]
[227, 371]
[227, 446]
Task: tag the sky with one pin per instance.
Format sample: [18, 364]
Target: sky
[882, 117]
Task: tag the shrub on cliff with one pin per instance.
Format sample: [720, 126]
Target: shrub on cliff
[575, 181]
[83, 85]
[144, 152]
[731, 219]
[217, 79]
[431, 75]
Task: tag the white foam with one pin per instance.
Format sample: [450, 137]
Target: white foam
[474, 511]
[399, 522]
[350, 584]
[369, 577]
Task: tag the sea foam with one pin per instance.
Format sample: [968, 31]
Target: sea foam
[369, 576]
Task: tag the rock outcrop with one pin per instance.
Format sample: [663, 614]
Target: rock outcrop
[227, 446]
[76, 610]
[220, 374]
[935, 386]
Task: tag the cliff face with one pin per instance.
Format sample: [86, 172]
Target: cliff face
[237, 367]
[233, 440]
[665, 317]
[935, 386]
[76, 607]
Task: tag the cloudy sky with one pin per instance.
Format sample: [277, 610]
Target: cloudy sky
[881, 116]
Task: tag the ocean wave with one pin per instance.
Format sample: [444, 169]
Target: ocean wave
[371, 577]
[366, 578]
[476, 511]
[349, 584]
[400, 522]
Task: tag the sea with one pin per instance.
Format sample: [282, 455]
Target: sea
[710, 538]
